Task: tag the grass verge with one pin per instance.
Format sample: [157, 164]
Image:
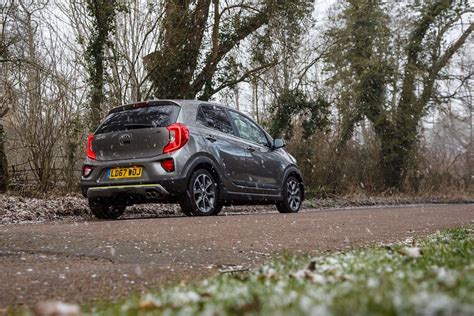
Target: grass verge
[431, 276]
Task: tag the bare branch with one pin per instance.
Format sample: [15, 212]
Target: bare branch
[244, 77]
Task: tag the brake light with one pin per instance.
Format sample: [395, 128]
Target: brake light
[90, 152]
[179, 136]
[168, 164]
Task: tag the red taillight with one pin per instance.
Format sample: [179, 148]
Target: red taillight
[179, 136]
[168, 164]
[90, 152]
[86, 171]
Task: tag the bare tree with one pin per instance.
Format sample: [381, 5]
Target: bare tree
[135, 36]
[190, 53]
[8, 38]
[43, 87]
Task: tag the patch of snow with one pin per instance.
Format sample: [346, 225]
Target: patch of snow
[56, 308]
[413, 252]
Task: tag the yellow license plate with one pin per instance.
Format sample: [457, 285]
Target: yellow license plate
[124, 173]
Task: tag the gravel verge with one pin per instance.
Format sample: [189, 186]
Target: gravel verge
[18, 209]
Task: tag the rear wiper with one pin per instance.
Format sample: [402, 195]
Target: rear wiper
[137, 125]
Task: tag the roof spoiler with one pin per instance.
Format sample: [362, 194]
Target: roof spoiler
[142, 104]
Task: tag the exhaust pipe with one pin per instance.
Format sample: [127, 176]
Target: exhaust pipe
[151, 195]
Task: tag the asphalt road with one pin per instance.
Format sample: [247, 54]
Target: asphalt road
[79, 262]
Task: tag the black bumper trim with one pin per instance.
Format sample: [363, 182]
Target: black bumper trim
[141, 189]
[172, 187]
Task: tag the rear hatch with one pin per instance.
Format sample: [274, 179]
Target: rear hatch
[135, 131]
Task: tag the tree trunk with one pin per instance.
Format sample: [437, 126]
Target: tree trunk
[400, 145]
[172, 67]
[470, 146]
[103, 14]
[4, 179]
[237, 97]
[392, 159]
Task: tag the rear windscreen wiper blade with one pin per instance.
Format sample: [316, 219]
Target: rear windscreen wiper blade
[137, 125]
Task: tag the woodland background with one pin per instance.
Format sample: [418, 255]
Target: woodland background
[371, 96]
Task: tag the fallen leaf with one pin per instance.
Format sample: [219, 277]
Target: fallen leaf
[413, 252]
[56, 308]
[149, 304]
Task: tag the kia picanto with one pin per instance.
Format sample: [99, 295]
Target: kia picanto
[199, 154]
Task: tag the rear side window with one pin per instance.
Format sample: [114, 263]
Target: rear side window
[144, 117]
[214, 117]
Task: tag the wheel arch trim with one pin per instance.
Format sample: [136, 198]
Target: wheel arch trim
[203, 158]
[293, 170]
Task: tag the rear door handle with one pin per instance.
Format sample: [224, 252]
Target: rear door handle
[251, 149]
[211, 138]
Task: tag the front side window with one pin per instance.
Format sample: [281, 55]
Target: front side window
[248, 130]
[214, 117]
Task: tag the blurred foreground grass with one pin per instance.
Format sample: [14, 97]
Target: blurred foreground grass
[431, 276]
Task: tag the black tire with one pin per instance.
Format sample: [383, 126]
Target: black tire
[201, 197]
[103, 209]
[292, 196]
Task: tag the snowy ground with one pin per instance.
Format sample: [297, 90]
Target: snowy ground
[17, 209]
[431, 276]
[82, 261]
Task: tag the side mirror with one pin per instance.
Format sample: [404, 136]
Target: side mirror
[278, 143]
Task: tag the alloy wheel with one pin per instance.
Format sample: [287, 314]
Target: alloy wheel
[204, 193]
[294, 194]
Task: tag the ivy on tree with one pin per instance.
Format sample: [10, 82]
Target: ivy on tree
[364, 59]
[188, 59]
[103, 25]
[292, 104]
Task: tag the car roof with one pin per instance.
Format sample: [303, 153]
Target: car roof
[183, 103]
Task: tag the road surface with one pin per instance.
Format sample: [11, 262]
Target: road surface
[80, 262]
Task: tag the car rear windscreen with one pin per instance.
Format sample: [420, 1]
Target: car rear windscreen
[143, 117]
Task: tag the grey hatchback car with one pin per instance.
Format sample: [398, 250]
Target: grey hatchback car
[201, 155]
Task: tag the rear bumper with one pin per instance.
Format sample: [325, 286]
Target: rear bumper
[141, 192]
[145, 190]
